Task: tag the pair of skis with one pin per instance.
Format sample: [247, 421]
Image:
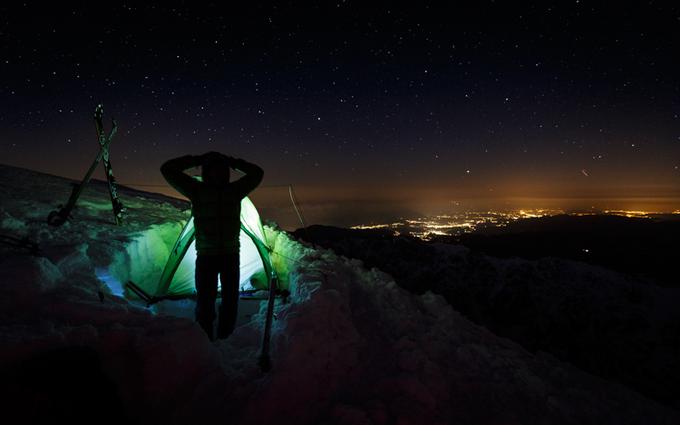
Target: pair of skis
[104, 141]
[59, 217]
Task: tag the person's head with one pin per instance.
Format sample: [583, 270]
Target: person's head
[215, 170]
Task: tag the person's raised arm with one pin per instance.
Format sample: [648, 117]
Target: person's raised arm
[253, 176]
[173, 171]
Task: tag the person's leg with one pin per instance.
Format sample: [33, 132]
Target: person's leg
[229, 278]
[206, 292]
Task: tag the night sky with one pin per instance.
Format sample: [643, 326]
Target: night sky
[549, 102]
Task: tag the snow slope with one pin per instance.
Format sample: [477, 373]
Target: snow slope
[608, 323]
[350, 348]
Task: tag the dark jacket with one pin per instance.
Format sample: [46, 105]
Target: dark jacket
[216, 207]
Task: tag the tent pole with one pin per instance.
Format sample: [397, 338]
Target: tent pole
[265, 360]
[293, 199]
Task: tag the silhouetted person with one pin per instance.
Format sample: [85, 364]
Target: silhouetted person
[216, 207]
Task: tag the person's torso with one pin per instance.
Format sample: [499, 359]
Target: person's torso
[217, 219]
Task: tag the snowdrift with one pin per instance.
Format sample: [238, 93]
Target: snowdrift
[351, 347]
[608, 323]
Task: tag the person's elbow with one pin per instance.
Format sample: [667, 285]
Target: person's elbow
[258, 174]
[166, 168]
[169, 170]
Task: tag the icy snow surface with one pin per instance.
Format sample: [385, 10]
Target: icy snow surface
[350, 347]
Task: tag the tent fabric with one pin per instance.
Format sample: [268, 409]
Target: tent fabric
[256, 269]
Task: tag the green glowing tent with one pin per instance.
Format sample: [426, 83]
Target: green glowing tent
[177, 279]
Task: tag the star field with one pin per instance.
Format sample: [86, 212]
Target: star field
[488, 99]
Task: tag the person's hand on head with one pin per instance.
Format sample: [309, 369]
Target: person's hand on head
[212, 156]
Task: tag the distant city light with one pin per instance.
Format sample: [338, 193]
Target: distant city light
[458, 223]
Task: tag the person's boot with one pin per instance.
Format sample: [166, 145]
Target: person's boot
[206, 321]
[208, 329]
[223, 332]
